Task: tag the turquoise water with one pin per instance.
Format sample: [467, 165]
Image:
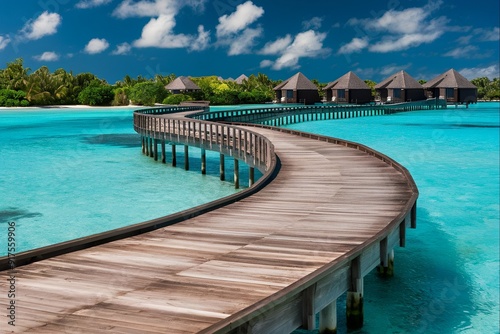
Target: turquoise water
[447, 278]
[66, 174]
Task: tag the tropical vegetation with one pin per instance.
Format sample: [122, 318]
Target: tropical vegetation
[20, 87]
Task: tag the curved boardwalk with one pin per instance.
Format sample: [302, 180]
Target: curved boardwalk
[264, 264]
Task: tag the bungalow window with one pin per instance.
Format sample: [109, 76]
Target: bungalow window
[289, 94]
[341, 93]
[396, 93]
[450, 93]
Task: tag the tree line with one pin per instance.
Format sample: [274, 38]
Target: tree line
[19, 86]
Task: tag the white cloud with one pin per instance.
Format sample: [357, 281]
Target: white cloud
[390, 44]
[490, 35]
[202, 41]
[398, 30]
[96, 45]
[467, 51]
[490, 72]
[266, 63]
[393, 68]
[154, 8]
[47, 56]
[245, 14]
[356, 45]
[244, 42]
[276, 47]
[84, 4]
[122, 49]
[4, 41]
[314, 23]
[159, 33]
[306, 44]
[44, 25]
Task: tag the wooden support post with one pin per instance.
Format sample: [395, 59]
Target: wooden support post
[174, 156]
[386, 267]
[143, 145]
[414, 216]
[186, 157]
[328, 319]
[155, 149]
[151, 147]
[146, 146]
[236, 174]
[402, 234]
[222, 168]
[308, 311]
[251, 176]
[354, 309]
[203, 161]
[163, 154]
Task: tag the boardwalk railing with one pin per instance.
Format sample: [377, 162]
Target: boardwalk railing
[252, 148]
[278, 116]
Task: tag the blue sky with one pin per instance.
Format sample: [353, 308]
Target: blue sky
[323, 39]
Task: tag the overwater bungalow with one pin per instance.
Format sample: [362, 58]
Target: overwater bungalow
[182, 85]
[297, 89]
[453, 87]
[400, 87]
[349, 88]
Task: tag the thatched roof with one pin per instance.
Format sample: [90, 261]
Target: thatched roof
[347, 81]
[182, 83]
[449, 79]
[239, 80]
[399, 80]
[298, 82]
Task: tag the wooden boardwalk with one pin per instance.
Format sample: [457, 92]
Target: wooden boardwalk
[328, 205]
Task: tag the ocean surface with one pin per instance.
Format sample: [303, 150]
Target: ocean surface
[67, 174]
[70, 173]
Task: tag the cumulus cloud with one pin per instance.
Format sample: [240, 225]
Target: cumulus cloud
[96, 45]
[314, 23]
[490, 72]
[147, 8]
[307, 44]
[243, 43]
[266, 63]
[44, 25]
[122, 49]
[398, 30]
[355, 45]
[234, 29]
[4, 41]
[159, 33]
[84, 4]
[276, 47]
[47, 56]
[245, 14]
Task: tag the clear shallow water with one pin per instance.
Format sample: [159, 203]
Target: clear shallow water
[447, 278]
[66, 174]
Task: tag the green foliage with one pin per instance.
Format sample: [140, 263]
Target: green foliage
[372, 85]
[13, 98]
[121, 96]
[96, 94]
[177, 99]
[148, 93]
[486, 89]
